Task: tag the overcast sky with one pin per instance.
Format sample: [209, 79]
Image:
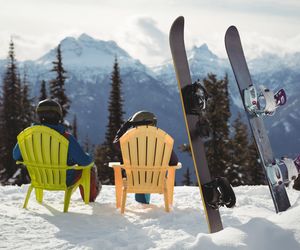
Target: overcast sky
[141, 27]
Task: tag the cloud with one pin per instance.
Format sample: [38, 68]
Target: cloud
[287, 8]
[143, 39]
[265, 25]
[255, 45]
[155, 40]
[32, 47]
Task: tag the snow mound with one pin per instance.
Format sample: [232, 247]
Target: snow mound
[252, 224]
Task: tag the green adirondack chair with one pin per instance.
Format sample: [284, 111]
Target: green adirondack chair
[44, 152]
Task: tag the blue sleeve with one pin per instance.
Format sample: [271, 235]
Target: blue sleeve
[76, 155]
[17, 153]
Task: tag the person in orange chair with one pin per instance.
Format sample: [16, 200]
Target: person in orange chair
[141, 118]
[49, 113]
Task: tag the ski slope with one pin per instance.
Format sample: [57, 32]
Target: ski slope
[252, 224]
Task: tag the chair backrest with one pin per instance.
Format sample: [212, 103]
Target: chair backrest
[44, 152]
[146, 152]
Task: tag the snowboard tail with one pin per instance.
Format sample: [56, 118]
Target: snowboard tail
[176, 39]
[242, 75]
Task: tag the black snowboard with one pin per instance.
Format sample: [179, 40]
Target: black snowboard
[176, 39]
[240, 69]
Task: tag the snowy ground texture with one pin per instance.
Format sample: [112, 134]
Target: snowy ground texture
[252, 224]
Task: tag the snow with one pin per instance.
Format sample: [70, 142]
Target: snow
[86, 53]
[252, 224]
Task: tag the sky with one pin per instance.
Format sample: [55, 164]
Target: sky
[141, 27]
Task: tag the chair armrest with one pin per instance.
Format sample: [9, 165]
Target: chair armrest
[178, 166]
[114, 164]
[76, 167]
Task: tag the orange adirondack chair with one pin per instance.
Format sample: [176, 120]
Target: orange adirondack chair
[146, 152]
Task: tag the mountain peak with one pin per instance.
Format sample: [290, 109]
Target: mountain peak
[85, 37]
[88, 52]
[204, 47]
[203, 52]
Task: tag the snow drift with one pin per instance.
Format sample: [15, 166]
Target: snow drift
[252, 224]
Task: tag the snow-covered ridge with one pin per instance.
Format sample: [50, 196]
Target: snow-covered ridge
[251, 225]
[89, 63]
[202, 52]
[86, 52]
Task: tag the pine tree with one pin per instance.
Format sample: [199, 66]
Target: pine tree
[57, 85]
[27, 109]
[27, 116]
[74, 127]
[43, 91]
[2, 165]
[115, 106]
[87, 146]
[107, 152]
[11, 124]
[256, 173]
[238, 172]
[187, 178]
[216, 118]
[101, 160]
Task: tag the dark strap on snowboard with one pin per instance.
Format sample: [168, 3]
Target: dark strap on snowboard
[195, 97]
[219, 193]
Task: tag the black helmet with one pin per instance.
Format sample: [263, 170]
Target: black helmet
[143, 118]
[49, 111]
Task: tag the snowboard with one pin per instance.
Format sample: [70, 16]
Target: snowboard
[268, 162]
[188, 95]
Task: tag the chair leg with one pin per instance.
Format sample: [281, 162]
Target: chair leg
[68, 194]
[124, 196]
[39, 195]
[118, 196]
[86, 175]
[166, 198]
[170, 185]
[87, 190]
[27, 196]
[118, 186]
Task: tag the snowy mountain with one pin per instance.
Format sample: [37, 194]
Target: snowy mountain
[86, 53]
[251, 225]
[89, 63]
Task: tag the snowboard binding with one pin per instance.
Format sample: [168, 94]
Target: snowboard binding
[285, 170]
[195, 98]
[297, 163]
[274, 173]
[219, 193]
[265, 102]
[292, 169]
[289, 169]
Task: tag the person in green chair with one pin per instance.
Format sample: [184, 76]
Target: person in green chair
[141, 118]
[49, 113]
